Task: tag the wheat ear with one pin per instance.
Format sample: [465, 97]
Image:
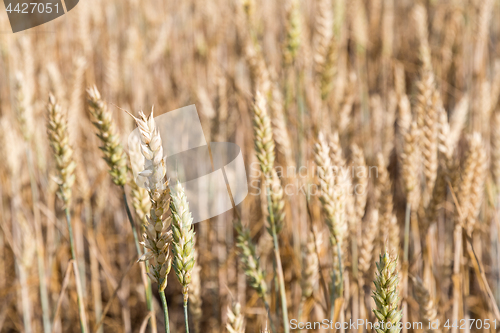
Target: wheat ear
[250, 261]
[428, 311]
[57, 129]
[114, 156]
[385, 205]
[182, 243]
[473, 175]
[386, 295]
[293, 31]
[367, 246]
[264, 147]
[140, 197]
[427, 120]
[195, 299]
[332, 198]
[410, 163]
[107, 133]
[157, 236]
[235, 320]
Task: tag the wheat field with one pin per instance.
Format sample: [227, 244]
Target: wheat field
[370, 132]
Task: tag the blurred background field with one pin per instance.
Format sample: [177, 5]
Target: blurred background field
[376, 78]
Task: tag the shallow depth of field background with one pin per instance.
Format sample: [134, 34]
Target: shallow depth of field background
[348, 71]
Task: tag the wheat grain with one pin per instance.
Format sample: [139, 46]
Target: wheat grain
[107, 133]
